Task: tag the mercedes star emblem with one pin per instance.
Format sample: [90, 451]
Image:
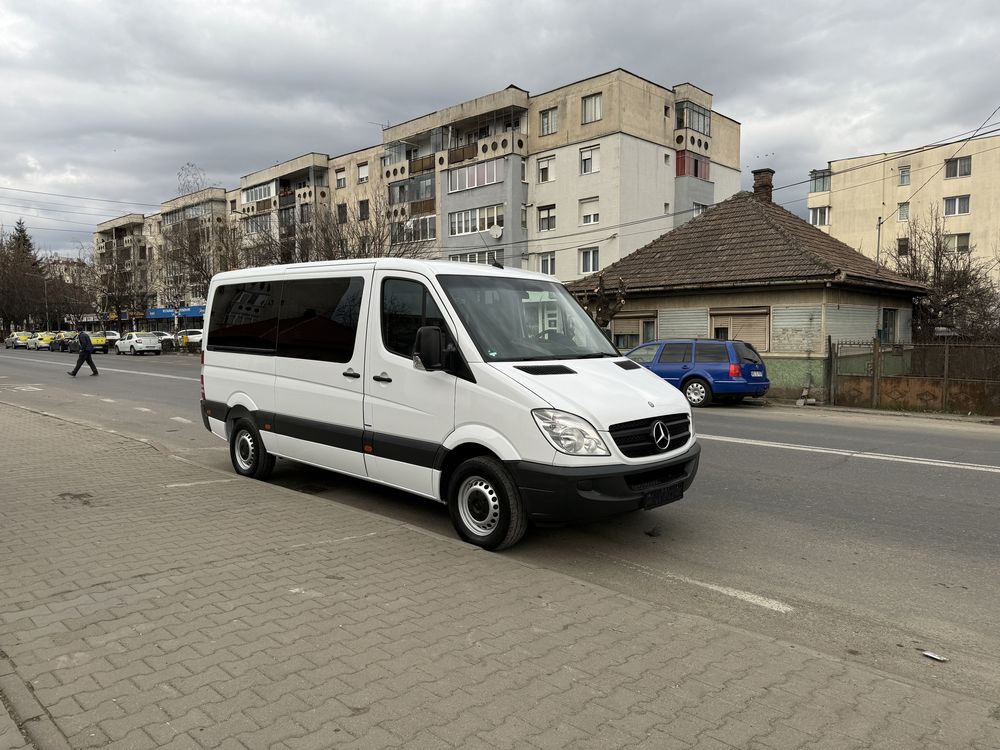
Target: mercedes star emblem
[660, 435]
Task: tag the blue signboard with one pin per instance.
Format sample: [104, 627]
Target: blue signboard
[194, 311]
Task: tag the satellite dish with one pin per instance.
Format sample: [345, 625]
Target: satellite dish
[496, 231]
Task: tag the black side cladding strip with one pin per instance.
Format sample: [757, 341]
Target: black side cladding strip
[336, 436]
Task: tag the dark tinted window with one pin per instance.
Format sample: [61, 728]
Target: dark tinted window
[676, 353]
[244, 316]
[406, 306]
[319, 318]
[707, 353]
[644, 354]
[746, 352]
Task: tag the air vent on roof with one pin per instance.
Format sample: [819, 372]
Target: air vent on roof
[546, 369]
[627, 364]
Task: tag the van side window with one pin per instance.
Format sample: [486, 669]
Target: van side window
[711, 353]
[676, 353]
[319, 318]
[406, 306]
[244, 316]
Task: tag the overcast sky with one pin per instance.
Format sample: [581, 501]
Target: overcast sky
[108, 100]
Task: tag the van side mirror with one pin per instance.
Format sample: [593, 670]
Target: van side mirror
[428, 348]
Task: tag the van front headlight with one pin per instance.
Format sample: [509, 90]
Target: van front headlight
[569, 433]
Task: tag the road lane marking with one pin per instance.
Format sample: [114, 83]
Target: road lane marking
[108, 400]
[857, 454]
[204, 481]
[181, 420]
[746, 596]
[113, 369]
[142, 408]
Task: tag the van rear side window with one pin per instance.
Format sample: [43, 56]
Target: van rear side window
[319, 318]
[244, 316]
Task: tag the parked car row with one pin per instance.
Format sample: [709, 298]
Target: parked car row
[135, 342]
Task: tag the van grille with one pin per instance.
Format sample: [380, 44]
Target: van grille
[635, 441]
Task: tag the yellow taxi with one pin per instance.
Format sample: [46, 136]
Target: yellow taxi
[97, 340]
[17, 340]
[41, 340]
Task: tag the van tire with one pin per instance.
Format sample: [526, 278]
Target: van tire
[698, 392]
[247, 452]
[485, 505]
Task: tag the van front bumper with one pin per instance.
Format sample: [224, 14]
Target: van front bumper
[562, 494]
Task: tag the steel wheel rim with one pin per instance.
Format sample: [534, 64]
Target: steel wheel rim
[695, 393]
[245, 451]
[478, 506]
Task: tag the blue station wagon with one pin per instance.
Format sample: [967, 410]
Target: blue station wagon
[706, 369]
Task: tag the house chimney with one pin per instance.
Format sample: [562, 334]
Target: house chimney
[763, 183]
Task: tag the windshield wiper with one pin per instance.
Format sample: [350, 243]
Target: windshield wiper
[597, 355]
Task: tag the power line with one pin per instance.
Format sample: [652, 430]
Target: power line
[48, 218]
[80, 197]
[51, 210]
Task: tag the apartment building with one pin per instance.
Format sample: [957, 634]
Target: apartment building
[564, 182]
[872, 202]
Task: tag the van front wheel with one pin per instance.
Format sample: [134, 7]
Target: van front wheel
[485, 505]
[247, 451]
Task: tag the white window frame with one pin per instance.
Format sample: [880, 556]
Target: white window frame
[547, 163]
[548, 121]
[595, 103]
[697, 209]
[590, 260]
[340, 175]
[547, 263]
[955, 202]
[904, 175]
[819, 216]
[903, 211]
[958, 163]
[474, 220]
[549, 218]
[363, 173]
[590, 160]
[590, 211]
[952, 245]
[468, 177]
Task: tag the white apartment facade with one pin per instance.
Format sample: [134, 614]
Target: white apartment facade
[871, 202]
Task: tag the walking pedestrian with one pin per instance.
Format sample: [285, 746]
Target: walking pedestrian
[86, 350]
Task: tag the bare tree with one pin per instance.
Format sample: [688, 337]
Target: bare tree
[190, 179]
[962, 293]
[600, 299]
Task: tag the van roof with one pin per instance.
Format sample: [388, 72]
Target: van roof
[425, 267]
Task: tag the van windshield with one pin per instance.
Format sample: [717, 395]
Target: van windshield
[516, 320]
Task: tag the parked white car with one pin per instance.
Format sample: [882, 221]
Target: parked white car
[162, 335]
[138, 343]
[193, 336]
[112, 337]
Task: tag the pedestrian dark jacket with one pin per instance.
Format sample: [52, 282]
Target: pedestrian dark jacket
[85, 344]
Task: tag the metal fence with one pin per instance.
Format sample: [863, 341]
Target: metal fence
[959, 376]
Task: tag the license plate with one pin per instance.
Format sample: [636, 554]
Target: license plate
[662, 496]
[756, 374]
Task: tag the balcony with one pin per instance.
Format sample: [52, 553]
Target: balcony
[501, 144]
[286, 198]
[425, 206]
[421, 164]
[456, 155]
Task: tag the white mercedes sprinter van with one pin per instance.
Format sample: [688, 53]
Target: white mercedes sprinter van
[485, 388]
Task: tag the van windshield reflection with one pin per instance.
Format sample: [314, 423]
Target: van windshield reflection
[518, 320]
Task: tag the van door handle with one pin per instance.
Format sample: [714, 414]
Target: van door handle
[382, 378]
[351, 374]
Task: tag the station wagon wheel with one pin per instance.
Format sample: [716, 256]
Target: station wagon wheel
[246, 449]
[485, 505]
[698, 392]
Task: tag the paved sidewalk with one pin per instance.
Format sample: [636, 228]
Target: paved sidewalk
[193, 609]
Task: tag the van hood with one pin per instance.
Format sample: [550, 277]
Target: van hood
[598, 390]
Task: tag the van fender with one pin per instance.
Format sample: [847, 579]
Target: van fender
[240, 404]
[484, 435]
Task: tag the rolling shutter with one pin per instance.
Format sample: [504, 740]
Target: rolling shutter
[682, 324]
[750, 327]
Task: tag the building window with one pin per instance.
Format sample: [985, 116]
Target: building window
[666, 209]
[960, 167]
[956, 205]
[697, 209]
[305, 213]
[524, 216]
[475, 220]
[483, 257]
[362, 173]
[546, 218]
[591, 108]
[590, 211]
[956, 243]
[589, 262]
[524, 170]
[590, 160]
[341, 176]
[888, 333]
[548, 121]
[363, 210]
[420, 229]
[904, 175]
[695, 117]
[257, 224]
[903, 247]
[819, 181]
[547, 169]
[903, 211]
[692, 165]
[341, 213]
[819, 217]
[547, 263]
[476, 175]
[258, 193]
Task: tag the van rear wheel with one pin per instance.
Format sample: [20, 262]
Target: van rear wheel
[485, 505]
[247, 452]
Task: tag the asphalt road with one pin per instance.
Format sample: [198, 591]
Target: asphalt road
[867, 536]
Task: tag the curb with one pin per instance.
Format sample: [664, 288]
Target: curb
[30, 717]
